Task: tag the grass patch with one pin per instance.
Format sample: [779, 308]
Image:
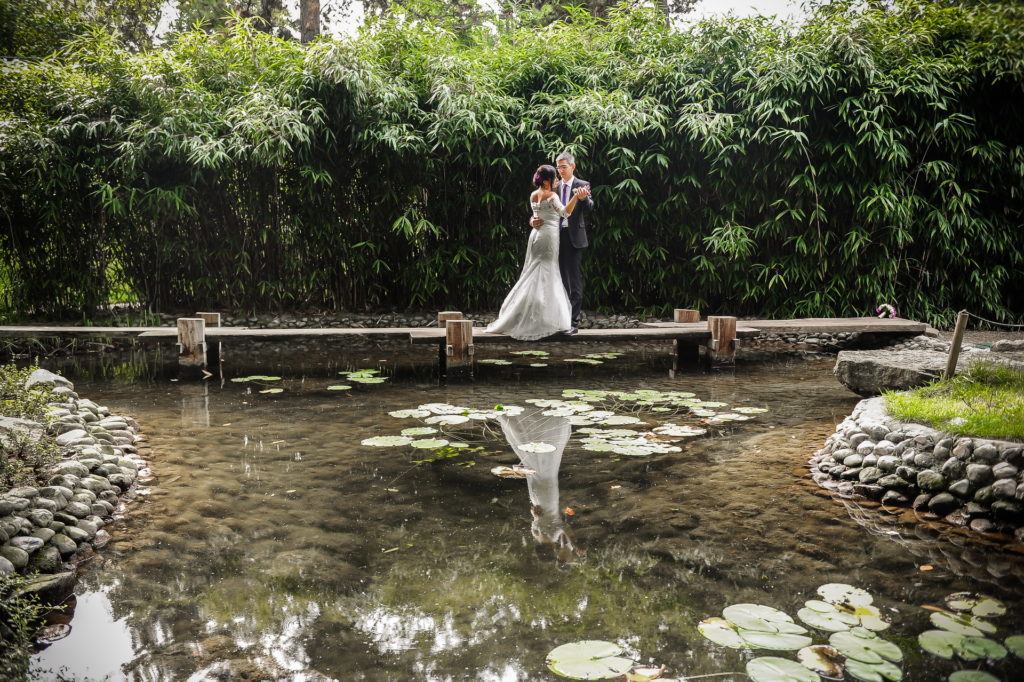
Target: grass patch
[986, 401]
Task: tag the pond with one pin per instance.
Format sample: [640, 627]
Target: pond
[272, 544]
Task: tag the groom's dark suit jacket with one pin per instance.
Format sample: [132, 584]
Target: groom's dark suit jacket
[577, 224]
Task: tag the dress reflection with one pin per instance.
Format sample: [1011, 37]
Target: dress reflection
[549, 528]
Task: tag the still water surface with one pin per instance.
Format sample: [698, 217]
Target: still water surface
[271, 544]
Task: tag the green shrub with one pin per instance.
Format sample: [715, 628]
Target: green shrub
[740, 165]
[24, 455]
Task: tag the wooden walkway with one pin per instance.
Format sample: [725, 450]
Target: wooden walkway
[199, 338]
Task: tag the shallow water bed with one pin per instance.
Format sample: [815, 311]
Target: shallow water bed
[274, 544]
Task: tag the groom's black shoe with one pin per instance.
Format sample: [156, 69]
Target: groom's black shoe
[571, 331]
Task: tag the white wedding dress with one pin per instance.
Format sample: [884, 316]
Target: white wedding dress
[538, 306]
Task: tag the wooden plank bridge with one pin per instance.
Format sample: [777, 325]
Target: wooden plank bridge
[199, 338]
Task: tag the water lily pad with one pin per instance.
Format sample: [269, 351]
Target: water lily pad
[972, 676]
[620, 420]
[633, 450]
[419, 431]
[679, 431]
[598, 447]
[721, 631]
[978, 604]
[405, 414]
[584, 361]
[429, 443]
[778, 641]
[537, 353]
[366, 380]
[822, 659]
[339, 387]
[832, 620]
[839, 593]
[257, 377]
[941, 643]
[761, 618]
[516, 471]
[494, 361]
[749, 410]
[1016, 645]
[537, 447]
[387, 441]
[538, 364]
[963, 624]
[873, 672]
[865, 646]
[447, 419]
[272, 390]
[588, 660]
[773, 669]
[977, 648]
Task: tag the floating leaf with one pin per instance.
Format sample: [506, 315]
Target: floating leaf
[645, 673]
[941, 643]
[538, 364]
[538, 353]
[419, 431]
[772, 669]
[1016, 645]
[721, 631]
[832, 620]
[972, 676]
[873, 672]
[494, 361]
[978, 604]
[962, 623]
[946, 644]
[749, 410]
[272, 390]
[822, 659]
[405, 414]
[584, 361]
[619, 420]
[761, 618]
[447, 419]
[865, 646]
[516, 471]
[339, 387]
[387, 441]
[588, 660]
[778, 641]
[366, 380]
[429, 443]
[537, 447]
[839, 593]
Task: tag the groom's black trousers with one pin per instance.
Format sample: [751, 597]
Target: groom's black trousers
[570, 264]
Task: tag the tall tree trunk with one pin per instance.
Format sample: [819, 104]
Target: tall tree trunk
[309, 19]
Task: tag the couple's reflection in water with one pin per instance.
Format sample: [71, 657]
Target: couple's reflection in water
[550, 529]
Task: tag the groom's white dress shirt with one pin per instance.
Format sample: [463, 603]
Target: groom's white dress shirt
[564, 193]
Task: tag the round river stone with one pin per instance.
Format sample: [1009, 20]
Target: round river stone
[930, 480]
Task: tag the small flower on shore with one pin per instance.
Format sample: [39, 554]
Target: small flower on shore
[886, 310]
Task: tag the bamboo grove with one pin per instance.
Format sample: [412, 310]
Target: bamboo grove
[744, 167]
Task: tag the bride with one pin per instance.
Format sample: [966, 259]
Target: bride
[538, 306]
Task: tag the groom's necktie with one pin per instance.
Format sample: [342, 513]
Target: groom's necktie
[565, 200]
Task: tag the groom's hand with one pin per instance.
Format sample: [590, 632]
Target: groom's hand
[536, 221]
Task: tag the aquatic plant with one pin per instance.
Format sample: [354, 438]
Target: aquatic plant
[588, 660]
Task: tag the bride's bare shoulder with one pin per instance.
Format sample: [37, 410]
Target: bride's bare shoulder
[540, 195]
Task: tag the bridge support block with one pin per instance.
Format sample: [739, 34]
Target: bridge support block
[191, 346]
[722, 346]
[212, 349]
[685, 315]
[458, 350]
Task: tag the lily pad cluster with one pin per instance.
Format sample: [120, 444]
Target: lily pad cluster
[962, 632]
[841, 611]
[755, 626]
[842, 607]
[364, 376]
[666, 402]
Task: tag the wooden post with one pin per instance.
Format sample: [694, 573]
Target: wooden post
[458, 349]
[442, 354]
[954, 345]
[212, 349]
[722, 347]
[191, 344]
[686, 315]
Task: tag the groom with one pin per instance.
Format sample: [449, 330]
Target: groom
[573, 233]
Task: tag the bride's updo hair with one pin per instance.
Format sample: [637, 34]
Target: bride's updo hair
[544, 173]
